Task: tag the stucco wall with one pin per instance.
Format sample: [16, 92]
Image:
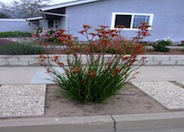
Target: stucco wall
[16, 25]
[167, 20]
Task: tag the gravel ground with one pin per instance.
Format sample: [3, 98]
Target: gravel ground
[22, 100]
[169, 95]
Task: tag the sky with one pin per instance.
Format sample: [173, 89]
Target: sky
[51, 3]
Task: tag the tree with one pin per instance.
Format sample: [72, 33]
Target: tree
[23, 8]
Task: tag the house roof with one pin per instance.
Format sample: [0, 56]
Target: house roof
[34, 18]
[67, 4]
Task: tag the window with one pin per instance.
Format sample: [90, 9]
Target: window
[130, 20]
[56, 24]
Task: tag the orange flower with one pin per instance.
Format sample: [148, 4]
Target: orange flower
[60, 64]
[86, 26]
[42, 57]
[55, 58]
[120, 26]
[90, 73]
[105, 42]
[82, 31]
[102, 26]
[92, 34]
[115, 71]
[125, 58]
[76, 69]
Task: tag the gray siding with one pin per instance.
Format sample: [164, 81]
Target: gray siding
[16, 25]
[167, 20]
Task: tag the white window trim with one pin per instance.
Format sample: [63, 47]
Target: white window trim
[131, 24]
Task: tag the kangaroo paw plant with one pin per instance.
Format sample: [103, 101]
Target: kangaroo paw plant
[91, 73]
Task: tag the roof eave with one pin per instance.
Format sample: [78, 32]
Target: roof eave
[34, 18]
[67, 4]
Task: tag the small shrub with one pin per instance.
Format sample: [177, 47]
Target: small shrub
[21, 49]
[50, 35]
[99, 77]
[161, 45]
[14, 34]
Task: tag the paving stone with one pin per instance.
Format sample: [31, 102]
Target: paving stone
[43, 77]
[166, 93]
[22, 100]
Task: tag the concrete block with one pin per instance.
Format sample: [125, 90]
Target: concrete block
[162, 57]
[33, 63]
[29, 58]
[152, 63]
[18, 63]
[3, 59]
[9, 58]
[148, 57]
[165, 62]
[3, 63]
[181, 58]
[179, 62]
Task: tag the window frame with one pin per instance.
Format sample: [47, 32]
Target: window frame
[132, 19]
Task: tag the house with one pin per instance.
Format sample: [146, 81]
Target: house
[165, 16]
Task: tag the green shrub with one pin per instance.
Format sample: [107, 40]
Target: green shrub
[21, 49]
[14, 34]
[161, 45]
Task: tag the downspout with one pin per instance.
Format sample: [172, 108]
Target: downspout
[58, 14]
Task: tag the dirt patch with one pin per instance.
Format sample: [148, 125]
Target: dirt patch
[130, 100]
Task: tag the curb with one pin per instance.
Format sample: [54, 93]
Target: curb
[143, 122]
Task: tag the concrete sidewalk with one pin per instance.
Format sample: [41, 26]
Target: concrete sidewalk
[38, 75]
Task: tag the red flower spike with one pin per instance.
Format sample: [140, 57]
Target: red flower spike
[60, 64]
[86, 26]
[42, 57]
[93, 34]
[55, 58]
[125, 58]
[116, 70]
[120, 26]
[82, 32]
[90, 73]
[103, 27]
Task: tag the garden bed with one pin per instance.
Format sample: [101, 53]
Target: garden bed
[129, 101]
